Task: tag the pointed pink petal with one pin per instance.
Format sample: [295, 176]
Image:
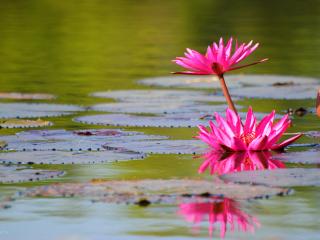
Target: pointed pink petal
[285, 143]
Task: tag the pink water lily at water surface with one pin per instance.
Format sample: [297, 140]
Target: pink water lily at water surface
[218, 59]
[230, 134]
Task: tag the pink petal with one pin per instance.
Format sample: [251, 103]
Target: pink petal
[285, 143]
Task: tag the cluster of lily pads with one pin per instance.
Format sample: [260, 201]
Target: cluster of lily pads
[179, 101]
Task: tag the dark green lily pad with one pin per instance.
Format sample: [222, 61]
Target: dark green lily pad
[161, 146]
[24, 123]
[278, 92]
[160, 96]
[288, 177]
[36, 110]
[15, 174]
[71, 141]
[233, 81]
[153, 191]
[26, 96]
[158, 108]
[67, 157]
[311, 156]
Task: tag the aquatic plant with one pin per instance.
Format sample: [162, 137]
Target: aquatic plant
[230, 134]
[221, 163]
[218, 60]
[223, 211]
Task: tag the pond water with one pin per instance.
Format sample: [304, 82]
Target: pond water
[72, 49]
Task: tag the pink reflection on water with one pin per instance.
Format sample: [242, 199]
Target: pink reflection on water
[222, 211]
[222, 163]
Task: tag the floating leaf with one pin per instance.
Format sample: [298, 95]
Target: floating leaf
[160, 96]
[167, 120]
[33, 110]
[69, 140]
[311, 156]
[233, 81]
[14, 174]
[313, 134]
[161, 146]
[288, 177]
[157, 108]
[65, 157]
[25, 96]
[144, 192]
[24, 123]
[275, 92]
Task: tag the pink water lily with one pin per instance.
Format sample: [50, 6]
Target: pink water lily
[221, 163]
[218, 59]
[230, 134]
[222, 211]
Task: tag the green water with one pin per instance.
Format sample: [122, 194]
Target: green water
[73, 48]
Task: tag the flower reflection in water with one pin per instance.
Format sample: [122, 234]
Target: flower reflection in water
[221, 211]
[222, 163]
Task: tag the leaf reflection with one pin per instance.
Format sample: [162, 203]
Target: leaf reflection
[222, 163]
[221, 211]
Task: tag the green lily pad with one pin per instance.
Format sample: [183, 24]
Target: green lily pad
[67, 157]
[15, 174]
[288, 177]
[24, 123]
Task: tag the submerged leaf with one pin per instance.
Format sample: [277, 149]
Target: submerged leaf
[153, 191]
[25, 123]
[30, 96]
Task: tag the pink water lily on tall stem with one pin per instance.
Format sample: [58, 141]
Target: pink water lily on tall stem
[230, 134]
[222, 211]
[218, 59]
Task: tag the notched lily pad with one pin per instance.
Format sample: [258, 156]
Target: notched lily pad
[24, 123]
[91, 140]
[160, 96]
[26, 96]
[288, 177]
[15, 174]
[157, 108]
[161, 146]
[65, 157]
[168, 120]
[36, 110]
[275, 92]
[153, 191]
[233, 81]
[311, 156]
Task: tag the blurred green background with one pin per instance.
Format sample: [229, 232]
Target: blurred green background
[74, 47]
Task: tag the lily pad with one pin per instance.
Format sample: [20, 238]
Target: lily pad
[311, 156]
[160, 96]
[70, 141]
[15, 174]
[157, 108]
[26, 96]
[313, 134]
[3, 144]
[25, 123]
[233, 81]
[161, 146]
[66, 157]
[278, 92]
[144, 192]
[288, 177]
[35, 110]
[168, 120]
